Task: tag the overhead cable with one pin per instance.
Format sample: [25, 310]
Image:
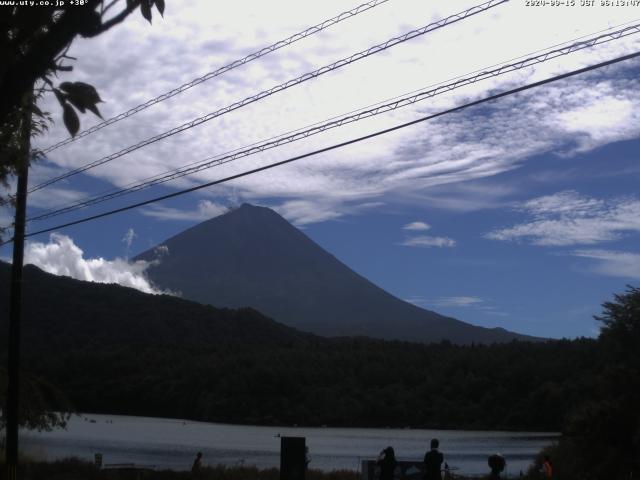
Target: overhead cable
[278, 88]
[338, 145]
[215, 73]
[394, 104]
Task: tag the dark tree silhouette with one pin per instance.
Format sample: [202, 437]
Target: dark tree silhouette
[44, 407]
[602, 433]
[34, 42]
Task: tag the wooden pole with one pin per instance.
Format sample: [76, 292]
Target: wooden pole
[15, 302]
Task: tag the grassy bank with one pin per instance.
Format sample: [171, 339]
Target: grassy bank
[75, 469]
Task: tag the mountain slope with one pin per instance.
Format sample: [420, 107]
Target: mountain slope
[61, 313]
[111, 349]
[253, 257]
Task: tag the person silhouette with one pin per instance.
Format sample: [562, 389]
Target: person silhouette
[496, 463]
[432, 461]
[387, 463]
[196, 468]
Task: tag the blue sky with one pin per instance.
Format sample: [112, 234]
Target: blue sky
[524, 213]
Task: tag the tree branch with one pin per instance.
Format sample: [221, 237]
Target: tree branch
[115, 20]
[106, 9]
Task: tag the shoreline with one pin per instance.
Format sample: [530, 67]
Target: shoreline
[536, 433]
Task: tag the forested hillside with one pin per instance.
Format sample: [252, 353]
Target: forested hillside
[356, 382]
[111, 349]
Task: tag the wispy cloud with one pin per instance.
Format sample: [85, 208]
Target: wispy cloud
[568, 218]
[612, 263]
[303, 212]
[460, 301]
[61, 256]
[575, 115]
[465, 196]
[128, 240]
[417, 226]
[427, 241]
[205, 210]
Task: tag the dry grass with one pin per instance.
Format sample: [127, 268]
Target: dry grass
[75, 469]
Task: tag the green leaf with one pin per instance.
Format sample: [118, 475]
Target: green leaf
[95, 110]
[160, 6]
[86, 92]
[78, 104]
[37, 111]
[71, 120]
[62, 98]
[145, 8]
[83, 96]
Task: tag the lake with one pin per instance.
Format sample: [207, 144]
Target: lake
[172, 443]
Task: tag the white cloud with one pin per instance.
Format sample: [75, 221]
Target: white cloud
[574, 115]
[613, 263]
[568, 218]
[161, 251]
[417, 226]
[595, 114]
[465, 196]
[303, 212]
[427, 241]
[128, 240]
[61, 256]
[205, 210]
[461, 301]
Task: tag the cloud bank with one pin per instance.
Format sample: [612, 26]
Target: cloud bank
[61, 256]
[564, 118]
[568, 218]
[613, 263]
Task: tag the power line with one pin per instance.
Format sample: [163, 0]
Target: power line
[278, 88]
[208, 76]
[380, 108]
[338, 145]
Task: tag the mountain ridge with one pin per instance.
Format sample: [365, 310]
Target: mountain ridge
[251, 256]
[60, 312]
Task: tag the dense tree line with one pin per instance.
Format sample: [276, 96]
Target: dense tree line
[115, 350]
[601, 434]
[350, 382]
[109, 349]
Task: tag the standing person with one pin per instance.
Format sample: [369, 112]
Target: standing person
[197, 465]
[547, 467]
[387, 463]
[432, 461]
[496, 463]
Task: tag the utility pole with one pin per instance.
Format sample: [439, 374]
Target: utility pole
[15, 302]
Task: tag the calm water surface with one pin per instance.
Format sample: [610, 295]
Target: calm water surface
[169, 443]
